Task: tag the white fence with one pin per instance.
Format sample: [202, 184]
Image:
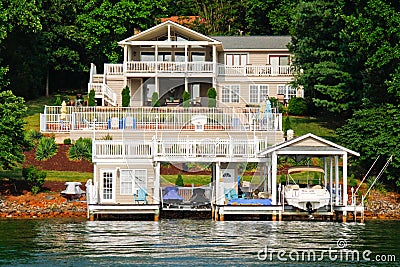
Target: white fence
[162, 118]
[167, 148]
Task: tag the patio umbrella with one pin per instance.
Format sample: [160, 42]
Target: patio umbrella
[63, 111]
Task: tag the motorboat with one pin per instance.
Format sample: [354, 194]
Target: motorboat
[309, 195]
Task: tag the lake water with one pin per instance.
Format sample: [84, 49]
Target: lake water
[198, 243]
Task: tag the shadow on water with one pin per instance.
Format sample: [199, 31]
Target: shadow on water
[191, 242]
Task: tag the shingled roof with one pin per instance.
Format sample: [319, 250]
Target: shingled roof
[253, 42]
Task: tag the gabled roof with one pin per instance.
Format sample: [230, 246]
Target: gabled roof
[162, 29]
[308, 143]
[254, 42]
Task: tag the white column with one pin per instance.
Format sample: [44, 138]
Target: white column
[269, 176]
[331, 180]
[186, 84]
[336, 180]
[325, 172]
[157, 183]
[273, 177]
[344, 163]
[219, 199]
[214, 80]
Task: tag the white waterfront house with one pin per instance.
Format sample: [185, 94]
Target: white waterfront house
[131, 143]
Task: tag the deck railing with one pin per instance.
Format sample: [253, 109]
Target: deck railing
[254, 70]
[168, 67]
[162, 118]
[179, 148]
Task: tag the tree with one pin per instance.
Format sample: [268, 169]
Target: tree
[126, 96]
[155, 102]
[212, 96]
[12, 138]
[186, 99]
[91, 98]
[373, 132]
[179, 180]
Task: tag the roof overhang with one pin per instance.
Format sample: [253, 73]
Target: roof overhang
[308, 144]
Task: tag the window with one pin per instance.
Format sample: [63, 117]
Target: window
[195, 91]
[164, 56]
[230, 93]
[287, 90]
[108, 188]
[131, 180]
[258, 93]
[147, 56]
[198, 57]
[235, 59]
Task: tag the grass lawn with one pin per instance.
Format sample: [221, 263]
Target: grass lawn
[58, 176]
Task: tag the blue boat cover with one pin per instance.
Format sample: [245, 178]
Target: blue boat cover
[255, 201]
[172, 193]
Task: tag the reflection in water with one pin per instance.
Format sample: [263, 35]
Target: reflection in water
[181, 242]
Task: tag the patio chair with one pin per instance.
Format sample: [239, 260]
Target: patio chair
[141, 196]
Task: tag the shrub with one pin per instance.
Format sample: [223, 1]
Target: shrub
[91, 99]
[33, 136]
[286, 124]
[126, 96]
[186, 99]
[67, 141]
[34, 177]
[179, 180]
[46, 148]
[297, 106]
[155, 102]
[57, 101]
[81, 149]
[212, 96]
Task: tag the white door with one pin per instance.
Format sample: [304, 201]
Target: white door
[107, 186]
[274, 61]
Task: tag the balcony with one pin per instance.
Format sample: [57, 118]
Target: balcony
[152, 67]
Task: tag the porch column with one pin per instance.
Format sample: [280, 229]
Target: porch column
[337, 180]
[344, 192]
[219, 200]
[273, 178]
[331, 181]
[186, 58]
[125, 64]
[157, 182]
[214, 79]
[186, 85]
[325, 172]
[269, 178]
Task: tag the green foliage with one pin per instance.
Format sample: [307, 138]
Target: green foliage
[155, 102]
[126, 96]
[297, 106]
[12, 138]
[46, 148]
[81, 149]
[67, 141]
[212, 96]
[107, 137]
[186, 99]
[352, 181]
[373, 132]
[91, 98]
[57, 101]
[33, 135]
[34, 177]
[179, 180]
[286, 124]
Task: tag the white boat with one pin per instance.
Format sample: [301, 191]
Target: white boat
[309, 196]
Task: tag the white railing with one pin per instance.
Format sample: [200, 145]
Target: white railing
[113, 69]
[187, 192]
[162, 118]
[169, 67]
[254, 70]
[103, 91]
[122, 149]
[179, 148]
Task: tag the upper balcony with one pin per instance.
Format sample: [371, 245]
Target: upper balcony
[206, 67]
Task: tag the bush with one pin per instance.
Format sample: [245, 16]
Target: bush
[46, 148]
[126, 96]
[179, 180]
[82, 149]
[286, 124]
[57, 101]
[155, 102]
[34, 177]
[297, 106]
[67, 141]
[186, 99]
[212, 96]
[91, 98]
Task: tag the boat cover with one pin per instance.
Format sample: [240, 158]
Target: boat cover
[171, 195]
[255, 201]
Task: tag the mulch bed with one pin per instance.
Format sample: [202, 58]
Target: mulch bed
[59, 162]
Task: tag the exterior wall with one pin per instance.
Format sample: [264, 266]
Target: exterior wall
[116, 84]
[136, 94]
[116, 167]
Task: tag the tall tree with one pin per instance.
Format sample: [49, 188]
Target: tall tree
[12, 138]
[321, 59]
